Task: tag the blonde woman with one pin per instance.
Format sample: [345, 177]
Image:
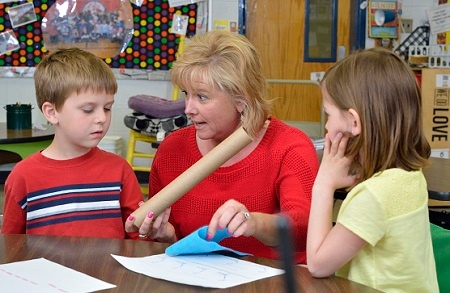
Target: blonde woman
[221, 76]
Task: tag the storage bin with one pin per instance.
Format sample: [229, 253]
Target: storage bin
[18, 116]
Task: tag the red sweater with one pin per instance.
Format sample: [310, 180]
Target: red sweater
[277, 177]
[91, 195]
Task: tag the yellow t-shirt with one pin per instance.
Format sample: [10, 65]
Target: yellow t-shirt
[390, 212]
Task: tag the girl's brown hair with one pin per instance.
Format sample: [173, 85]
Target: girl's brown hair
[384, 91]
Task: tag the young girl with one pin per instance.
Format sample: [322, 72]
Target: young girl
[375, 146]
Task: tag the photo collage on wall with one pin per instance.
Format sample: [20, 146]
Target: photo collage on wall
[127, 35]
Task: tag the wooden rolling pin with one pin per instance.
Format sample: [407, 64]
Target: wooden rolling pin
[192, 176]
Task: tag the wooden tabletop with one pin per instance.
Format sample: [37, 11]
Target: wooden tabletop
[92, 257]
[8, 136]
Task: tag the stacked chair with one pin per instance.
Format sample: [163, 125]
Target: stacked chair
[151, 120]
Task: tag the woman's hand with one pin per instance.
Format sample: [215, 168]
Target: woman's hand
[235, 217]
[334, 167]
[158, 229]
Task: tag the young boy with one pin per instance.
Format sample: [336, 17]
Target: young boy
[72, 187]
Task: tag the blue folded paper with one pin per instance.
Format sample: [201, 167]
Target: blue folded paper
[196, 243]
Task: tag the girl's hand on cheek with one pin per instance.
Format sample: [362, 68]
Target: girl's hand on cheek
[334, 167]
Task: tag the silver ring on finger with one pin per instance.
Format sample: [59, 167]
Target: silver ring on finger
[143, 236]
[246, 215]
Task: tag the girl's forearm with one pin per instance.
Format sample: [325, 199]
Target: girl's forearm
[319, 226]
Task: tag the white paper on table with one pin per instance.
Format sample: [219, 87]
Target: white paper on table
[204, 270]
[42, 275]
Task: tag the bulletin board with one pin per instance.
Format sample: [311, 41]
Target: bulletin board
[151, 47]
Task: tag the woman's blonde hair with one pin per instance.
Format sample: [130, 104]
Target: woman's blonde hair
[384, 91]
[68, 71]
[230, 63]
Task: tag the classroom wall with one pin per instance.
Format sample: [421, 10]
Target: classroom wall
[13, 90]
[21, 89]
[223, 12]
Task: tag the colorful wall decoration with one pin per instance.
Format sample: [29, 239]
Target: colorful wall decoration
[152, 47]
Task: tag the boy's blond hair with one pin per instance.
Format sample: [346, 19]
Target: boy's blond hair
[67, 71]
